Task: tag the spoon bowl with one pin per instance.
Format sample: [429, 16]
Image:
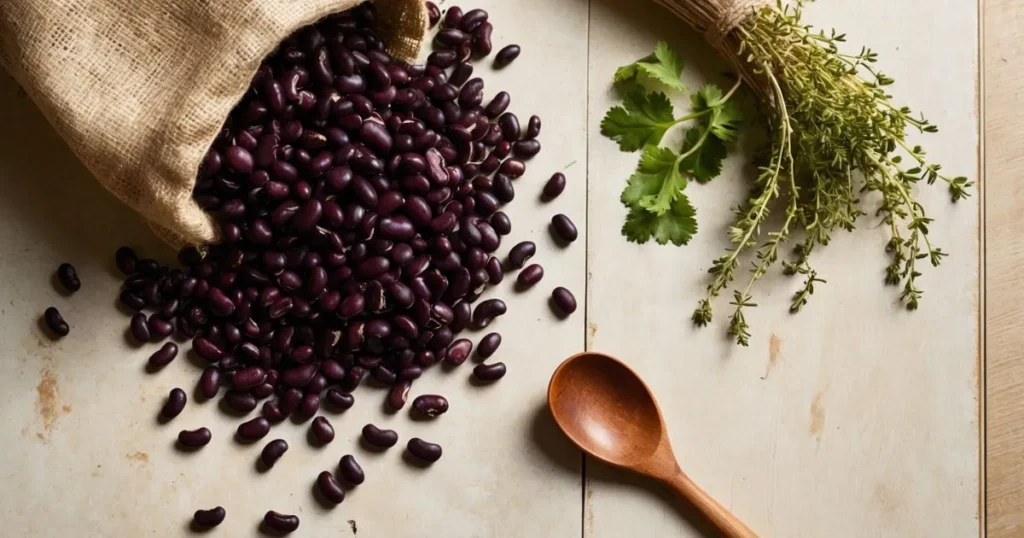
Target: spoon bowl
[616, 416]
[609, 412]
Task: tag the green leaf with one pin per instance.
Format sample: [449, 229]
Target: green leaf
[666, 69]
[642, 120]
[725, 121]
[657, 182]
[625, 73]
[663, 66]
[724, 116]
[702, 158]
[677, 226]
[707, 97]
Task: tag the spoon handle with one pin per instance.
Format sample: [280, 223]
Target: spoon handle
[721, 518]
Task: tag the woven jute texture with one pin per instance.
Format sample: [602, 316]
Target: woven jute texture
[717, 19]
[140, 88]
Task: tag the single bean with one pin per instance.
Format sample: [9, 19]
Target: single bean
[68, 277]
[433, 13]
[398, 395]
[126, 260]
[202, 346]
[530, 276]
[459, 351]
[430, 405]
[139, 328]
[489, 372]
[249, 377]
[194, 438]
[486, 311]
[159, 328]
[174, 405]
[254, 429]
[322, 430]
[428, 452]
[564, 300]
[378, 437]
[452, 17]
[283, 523]
[520, 253]
[243, 402]
[163, 356]
[488, 345]
[330, 488]
[526, 148]
[209, 518]
[563, 228]
[472, 20]
[506, 55]
[273, 452]
[209, 382]
[339, 399]
[554, 186]
[351, 471]
[533, 128]
[55, 322]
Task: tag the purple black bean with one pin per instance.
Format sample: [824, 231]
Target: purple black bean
[489, 372]
[555, 186]
[283, 523]
[564, 300]
[209, 518]
[322, 430]
[423, 450]
[273, 452]
[163, 356]
[563, 228]
[350, 470]
[68, 277]
[378, 437]
[55, 322]
[194, 438]
[175, 403]
[330, 488]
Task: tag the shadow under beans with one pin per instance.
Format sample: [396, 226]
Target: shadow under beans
[196, 528]
[415, 462]
[601, 475]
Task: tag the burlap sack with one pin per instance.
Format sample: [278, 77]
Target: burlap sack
[140, 88]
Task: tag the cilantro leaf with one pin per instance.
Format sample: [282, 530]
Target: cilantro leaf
[626, 73]
[707, 97]
[664, 66]
[642, 120]
[667, 68]
[677, 226]
[724, 116]
[725, 121]
[660, 166]
[702, 158]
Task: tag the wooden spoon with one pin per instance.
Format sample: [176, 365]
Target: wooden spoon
[610, 413]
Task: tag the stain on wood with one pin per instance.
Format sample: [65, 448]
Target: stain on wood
[774, 353]
[138, 457]
[49, 406]
[817, 416]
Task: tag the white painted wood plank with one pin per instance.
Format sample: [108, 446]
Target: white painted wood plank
[84, 456]
[854, 418]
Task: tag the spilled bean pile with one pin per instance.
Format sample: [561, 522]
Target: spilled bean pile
[359, 209]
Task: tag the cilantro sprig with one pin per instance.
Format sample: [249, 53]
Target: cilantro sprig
[654, 195]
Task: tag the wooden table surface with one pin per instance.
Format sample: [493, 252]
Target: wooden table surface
[1003, 53]
[854, 418]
